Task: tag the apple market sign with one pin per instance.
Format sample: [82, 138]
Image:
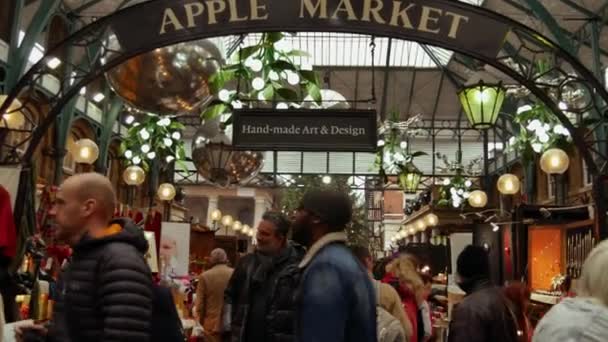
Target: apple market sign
[445, 23]
[304, 130]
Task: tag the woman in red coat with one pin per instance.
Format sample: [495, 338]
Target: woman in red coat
[403, 276]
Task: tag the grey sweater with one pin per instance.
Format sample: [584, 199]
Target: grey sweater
[574, 319]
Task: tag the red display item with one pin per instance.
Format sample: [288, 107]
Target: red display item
[8, 233]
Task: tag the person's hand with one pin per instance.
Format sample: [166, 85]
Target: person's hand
[21, 329]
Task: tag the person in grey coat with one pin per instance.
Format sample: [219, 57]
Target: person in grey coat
[583, 318]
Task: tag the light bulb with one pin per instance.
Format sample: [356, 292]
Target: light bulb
[236, 104]
[224, 95]
[170, 159]
[403, 145]
[129, 119]
[151, 155]
[145, 148]
[176, 135]
[144, 134]
[381, 143]
[326, 179]
[468, 183]
[168, 142]
[164, 122]
[256, 65]
[261, 96]
[293, 78]
[128, 154]
[273, 76]
[562, 105]
[258, 83]
[216, 215]
[136, 160]
[446, 182]
[282, 105]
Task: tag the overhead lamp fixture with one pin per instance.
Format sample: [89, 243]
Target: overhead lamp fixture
[166, 192]
[99, 97]
[482, 103]
[85, 151]
[134, 175]
[420, 225]
[13, 118]
[554, 161]
[409, 178]
[478, 199]
[326, 179]
[237, 226]
[227, 220]
[216, 215]
[53, 63]
[431, 220]
[129, 119]
[508, 184]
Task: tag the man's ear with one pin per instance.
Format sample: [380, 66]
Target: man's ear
[89, 206]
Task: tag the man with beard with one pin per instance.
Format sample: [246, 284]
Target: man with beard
[259, 296]
[336, 296]
[105, 293]
[485, 314]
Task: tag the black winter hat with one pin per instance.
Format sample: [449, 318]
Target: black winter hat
[332, 207]
[473, 262]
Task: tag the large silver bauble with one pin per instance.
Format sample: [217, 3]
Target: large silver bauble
[171, 80]
[217, 162]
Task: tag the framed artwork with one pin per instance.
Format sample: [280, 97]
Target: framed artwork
[174, 251]
[151, 256]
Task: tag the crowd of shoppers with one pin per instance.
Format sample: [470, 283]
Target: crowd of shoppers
[308, 288]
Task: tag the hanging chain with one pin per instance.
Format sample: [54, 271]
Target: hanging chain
[372, 46]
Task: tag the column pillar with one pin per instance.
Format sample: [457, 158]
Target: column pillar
[213, 199]
[261, 206]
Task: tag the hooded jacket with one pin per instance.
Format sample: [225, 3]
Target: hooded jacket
[105, 291]
[574, 319]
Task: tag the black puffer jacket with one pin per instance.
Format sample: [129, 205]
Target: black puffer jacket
[280, 313]
[105, 292]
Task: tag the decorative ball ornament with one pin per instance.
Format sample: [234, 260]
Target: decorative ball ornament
[431, 220]
[554, 161]
[508, 184]
[217, 162]
[478, 199]
[13, 118]
[166, 192]
[134, 175]
[85, 151]
[168, 81]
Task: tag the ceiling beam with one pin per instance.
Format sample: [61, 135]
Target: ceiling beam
[581, 9]
[85, 6]
[385, 85]
[560, 34]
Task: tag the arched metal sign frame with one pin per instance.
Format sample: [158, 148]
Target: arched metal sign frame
[144, 27]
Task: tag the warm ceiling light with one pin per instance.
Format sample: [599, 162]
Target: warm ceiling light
[53, 63]
[166, 192]
[246, 228]
[482, 102]
[99, 97]
[508, 184]
[134, 175]
[85, 151]
[326, 179]
[420, 225]
[216, 215]
[237, 226]
[478, 199]
[412, 231]
[554, 161]
[431, 220]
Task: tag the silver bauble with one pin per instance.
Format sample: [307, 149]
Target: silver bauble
[217, 162]
[171, 80]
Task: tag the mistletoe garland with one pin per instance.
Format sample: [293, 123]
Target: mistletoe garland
[539, 131]
[154, 138]
[262, 72]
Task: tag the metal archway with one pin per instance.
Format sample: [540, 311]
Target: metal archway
[506, 45]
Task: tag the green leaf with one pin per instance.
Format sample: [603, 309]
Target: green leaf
[182, 165]
[314, 92]
[298, 53]
[310, 76]
[274, 37]
[214, 111]
[176, 125]
[181, 153]
[246, 52]
[281, 65]
[287, 94]
[229, 121]
[268, 92]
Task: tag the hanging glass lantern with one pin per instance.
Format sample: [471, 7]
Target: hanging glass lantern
[13, 118]
[554, 161]
[478, 199]
[134, 175]
[85, 151]
[409, 178]
[482, 103]
[166, 192]
[508, 184]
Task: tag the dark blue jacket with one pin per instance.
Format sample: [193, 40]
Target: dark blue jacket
[336, 296]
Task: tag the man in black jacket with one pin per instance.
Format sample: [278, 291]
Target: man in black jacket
[105, 292]
[485, 314]
[259, 299]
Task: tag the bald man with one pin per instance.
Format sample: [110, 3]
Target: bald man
[105, 292]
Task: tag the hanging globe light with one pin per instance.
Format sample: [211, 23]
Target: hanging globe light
[409, 178]
[482, 103]
[227, 220]
[216, 215]
[508, 184]
[166, 192]
[420, 225]
[237, 226]
[431, 220]
[554, 161]
[85, 151]
[478, 199]
[13, 118]
[134, 175]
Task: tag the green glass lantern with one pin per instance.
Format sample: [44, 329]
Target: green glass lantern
[482, 103]
[409, 178]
